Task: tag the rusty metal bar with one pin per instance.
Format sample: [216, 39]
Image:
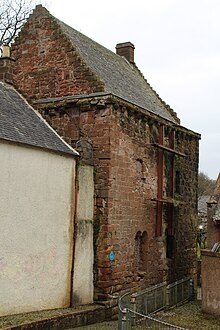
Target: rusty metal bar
[160, 146]
[168, 201]
[160, 169]
[172, 145]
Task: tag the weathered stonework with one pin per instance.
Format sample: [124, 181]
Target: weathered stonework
[45, 70]
[125, 184]
[210, 282]
[150, 238]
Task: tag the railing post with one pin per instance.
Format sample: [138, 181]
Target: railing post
[164, 295]
[132, 315]
[176, 293]
[155, 295]
[124, 319]
[119, 318]
[191, 288]
[167, 296]
[134, 308]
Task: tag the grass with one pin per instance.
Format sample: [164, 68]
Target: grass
[188, 316]
[25, 318]
[111, 325]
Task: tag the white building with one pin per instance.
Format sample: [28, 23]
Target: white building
[38, 213]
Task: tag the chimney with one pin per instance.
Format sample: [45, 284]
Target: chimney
[126, 49]
[6, 66]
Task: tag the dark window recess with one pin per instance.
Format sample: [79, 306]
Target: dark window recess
[137, 249]
[141, 251]
[170, 246]
[177, 182]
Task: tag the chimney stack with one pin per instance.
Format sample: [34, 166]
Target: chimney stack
[6, 66]
[126, 49]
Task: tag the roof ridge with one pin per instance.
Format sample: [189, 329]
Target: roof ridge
[171, 111]
[105, 70]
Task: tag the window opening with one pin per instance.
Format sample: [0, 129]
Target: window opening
[141, 251]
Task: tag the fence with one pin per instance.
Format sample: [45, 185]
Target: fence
[135, 309]
[179, 292]
[138, 321]
[150, 300]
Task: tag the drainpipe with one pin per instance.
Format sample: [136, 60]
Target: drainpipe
[75, 221]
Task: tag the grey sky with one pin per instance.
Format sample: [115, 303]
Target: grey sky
[177, 50]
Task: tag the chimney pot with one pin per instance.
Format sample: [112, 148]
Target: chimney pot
[126, 49]
[6, 66]
[6, 51]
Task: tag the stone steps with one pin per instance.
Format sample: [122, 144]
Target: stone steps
[55, 319]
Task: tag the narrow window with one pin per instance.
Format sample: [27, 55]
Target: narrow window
[170, 237]
[141, 251]
[170, 246]
[137, 250]
[177, 182]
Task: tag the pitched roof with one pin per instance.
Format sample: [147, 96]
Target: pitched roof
[19, 122]
[119, 76]
[202, 203]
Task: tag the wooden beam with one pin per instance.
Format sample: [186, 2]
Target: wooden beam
[168, 201]
[160, 146]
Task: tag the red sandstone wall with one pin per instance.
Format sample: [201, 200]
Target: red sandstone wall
[185, 211]
[47, 65]
[125, 181]
[125, 165]
[210, 282]
[211, 228]
[132, 184]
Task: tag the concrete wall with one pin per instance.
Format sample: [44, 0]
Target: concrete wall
[36, 214]
[83, 261]
[210, 282]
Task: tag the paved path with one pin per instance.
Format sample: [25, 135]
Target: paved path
[111, 325]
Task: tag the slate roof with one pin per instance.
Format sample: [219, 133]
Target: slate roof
[120, 77]
[19, 122]
[202, 203]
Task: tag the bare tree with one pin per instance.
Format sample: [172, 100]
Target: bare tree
[205, 185]
[13, 14]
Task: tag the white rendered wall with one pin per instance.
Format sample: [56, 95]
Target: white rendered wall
[36, 229]
[84, 255]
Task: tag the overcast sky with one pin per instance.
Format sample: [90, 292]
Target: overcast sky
[177, 49]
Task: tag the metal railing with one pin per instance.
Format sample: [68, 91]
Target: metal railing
[144, 322]
[135, 310]
[178, 292]
[149, 300]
